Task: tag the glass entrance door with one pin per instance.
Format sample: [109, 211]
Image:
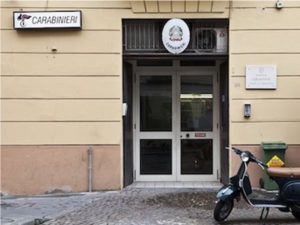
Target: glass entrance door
[176, 127]
[197, 144]
[155, 126]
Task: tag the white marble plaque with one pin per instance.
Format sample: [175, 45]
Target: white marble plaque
[261, 77]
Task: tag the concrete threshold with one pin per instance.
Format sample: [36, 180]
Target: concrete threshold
[176, 184]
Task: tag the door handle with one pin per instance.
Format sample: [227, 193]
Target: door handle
[187, 135]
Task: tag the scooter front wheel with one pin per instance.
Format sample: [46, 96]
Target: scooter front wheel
[296, 211]
[223, 210]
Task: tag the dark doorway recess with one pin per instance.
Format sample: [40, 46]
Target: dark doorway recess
[224, 122]
[127, 125]
[142, 46]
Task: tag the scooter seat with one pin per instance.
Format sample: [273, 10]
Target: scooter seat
[284, 172]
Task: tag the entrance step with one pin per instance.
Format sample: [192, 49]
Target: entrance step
[176, 184]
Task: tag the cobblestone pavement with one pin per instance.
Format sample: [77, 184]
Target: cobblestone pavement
[163, 207]
[28, 209]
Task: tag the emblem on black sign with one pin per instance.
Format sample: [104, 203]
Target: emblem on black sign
[22, 18]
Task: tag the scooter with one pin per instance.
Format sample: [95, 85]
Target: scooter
[286, 200]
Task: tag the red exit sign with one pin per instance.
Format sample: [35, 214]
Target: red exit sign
[200, 134]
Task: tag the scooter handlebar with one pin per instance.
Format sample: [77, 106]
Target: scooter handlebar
[253, 158]
[236, 150]
[259, 161]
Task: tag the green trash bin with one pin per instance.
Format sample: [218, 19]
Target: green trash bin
[274, 155]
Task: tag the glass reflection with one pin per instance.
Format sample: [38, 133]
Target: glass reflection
[196, 102]
[156, 103]
[156, 157]
[196, 156]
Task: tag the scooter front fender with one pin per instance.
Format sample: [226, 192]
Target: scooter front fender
[227, 192]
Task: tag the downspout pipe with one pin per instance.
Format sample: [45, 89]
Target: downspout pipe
[90, 156]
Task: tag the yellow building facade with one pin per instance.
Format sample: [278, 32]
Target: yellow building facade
[62, 92]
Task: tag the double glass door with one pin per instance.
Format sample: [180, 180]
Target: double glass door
[176, 126]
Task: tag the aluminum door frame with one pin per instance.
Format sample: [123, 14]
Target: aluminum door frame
[173, 71]
[153, 135]
[214, 135]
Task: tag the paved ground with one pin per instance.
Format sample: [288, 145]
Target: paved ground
[25, 210]
[134, 206]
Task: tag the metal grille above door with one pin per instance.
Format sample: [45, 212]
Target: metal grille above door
[143, 37]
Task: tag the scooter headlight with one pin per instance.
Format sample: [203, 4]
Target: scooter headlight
[245, 157]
